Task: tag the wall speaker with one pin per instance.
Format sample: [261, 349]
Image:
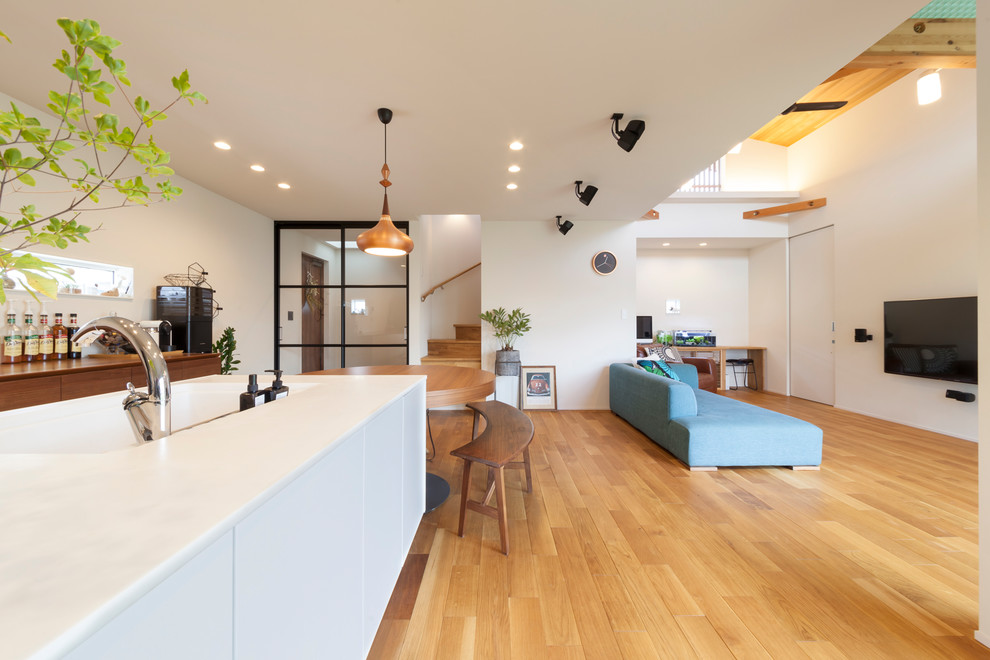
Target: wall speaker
[967, 397]
[861, 335]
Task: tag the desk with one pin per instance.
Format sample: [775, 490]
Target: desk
[755, 353]
[445, 386]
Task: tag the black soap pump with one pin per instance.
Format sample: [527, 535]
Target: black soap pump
[277, 390]
[252, 398]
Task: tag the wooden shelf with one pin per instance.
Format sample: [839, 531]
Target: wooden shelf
[34, 383]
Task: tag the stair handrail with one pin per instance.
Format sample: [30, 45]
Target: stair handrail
[426, 295]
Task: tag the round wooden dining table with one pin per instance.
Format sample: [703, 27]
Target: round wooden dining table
[445, 386]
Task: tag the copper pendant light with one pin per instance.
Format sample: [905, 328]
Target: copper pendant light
[385, 239]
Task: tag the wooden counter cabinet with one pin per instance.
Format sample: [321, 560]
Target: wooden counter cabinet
[34, 383]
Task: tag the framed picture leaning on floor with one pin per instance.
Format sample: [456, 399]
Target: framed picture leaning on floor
[538, 388]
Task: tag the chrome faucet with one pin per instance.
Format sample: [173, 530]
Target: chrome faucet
[150, 414]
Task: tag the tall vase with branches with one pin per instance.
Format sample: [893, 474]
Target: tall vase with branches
[90, 152]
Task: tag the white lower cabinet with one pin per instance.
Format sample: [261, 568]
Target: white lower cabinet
[306, 575]
[188, 616]
[298, 565]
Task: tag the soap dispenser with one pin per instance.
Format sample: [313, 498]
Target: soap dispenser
[252, 398]
[278, 390]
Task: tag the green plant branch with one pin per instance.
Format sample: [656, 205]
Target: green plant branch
[94, 74]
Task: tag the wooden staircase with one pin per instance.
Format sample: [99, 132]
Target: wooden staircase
[462, 351]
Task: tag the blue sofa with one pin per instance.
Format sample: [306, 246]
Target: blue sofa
[706, 430]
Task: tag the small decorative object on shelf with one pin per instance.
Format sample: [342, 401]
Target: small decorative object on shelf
[195, 276]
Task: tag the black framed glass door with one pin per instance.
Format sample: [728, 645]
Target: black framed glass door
[336, 306]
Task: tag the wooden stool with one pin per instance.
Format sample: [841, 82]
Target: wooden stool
[507, 434]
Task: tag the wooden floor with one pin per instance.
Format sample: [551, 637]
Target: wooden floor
[621, 552]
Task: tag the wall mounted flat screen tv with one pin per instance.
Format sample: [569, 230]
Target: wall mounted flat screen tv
[933, 338]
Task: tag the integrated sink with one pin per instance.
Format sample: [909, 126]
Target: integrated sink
[98, 424]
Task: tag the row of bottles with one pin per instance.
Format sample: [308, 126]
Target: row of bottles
[32, 342]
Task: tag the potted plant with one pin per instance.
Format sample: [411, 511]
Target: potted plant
[507, 326]
[93, 155]
[226, 346]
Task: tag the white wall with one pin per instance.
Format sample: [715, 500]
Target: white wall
[759, 166]
[768, 311]
[712, 286]
[582, 322]
[901, 186]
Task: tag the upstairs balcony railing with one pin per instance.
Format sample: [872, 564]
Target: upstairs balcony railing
[707, 180]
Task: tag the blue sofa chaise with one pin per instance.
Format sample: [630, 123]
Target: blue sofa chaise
[707, 431]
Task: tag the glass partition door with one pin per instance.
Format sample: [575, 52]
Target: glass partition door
[336, 306]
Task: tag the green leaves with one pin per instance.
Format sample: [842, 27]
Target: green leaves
[226, 346]
[507, 325]
[181, 84]
[91, 153]
[38, 275]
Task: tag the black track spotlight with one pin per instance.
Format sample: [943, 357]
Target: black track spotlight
[628, 138]
[565, 226]
[587, 195]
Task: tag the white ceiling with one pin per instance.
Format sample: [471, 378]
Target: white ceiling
[694, 243]
[295, 85]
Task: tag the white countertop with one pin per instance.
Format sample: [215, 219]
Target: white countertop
[83, 536]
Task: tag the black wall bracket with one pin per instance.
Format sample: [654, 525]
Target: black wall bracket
[861, 336]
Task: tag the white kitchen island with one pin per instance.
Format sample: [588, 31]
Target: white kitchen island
[275, 532]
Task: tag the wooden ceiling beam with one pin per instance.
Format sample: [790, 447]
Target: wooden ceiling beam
[914, 44]
[934, 36]
[909, 61]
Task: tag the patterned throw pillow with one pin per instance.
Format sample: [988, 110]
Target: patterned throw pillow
[666, 353]
[659, 368]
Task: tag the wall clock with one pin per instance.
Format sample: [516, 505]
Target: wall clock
[604, 262]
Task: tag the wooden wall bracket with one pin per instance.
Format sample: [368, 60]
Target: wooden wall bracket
[786, 208]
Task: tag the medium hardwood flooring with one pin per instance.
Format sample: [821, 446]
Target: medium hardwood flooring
[621, 552]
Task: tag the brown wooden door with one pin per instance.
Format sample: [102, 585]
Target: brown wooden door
[313, 312]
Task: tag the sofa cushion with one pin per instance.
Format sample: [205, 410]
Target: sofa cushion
[658, 367]
[729, 432]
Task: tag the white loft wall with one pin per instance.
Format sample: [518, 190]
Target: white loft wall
[759, 166]
[901, 186]
[582, 322]
[712, 286]
[768, 310]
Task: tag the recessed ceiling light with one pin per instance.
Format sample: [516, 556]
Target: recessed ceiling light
[666, 244]
[702, 244]
[220, 144]
[258, 168]
[284, 186]
[512, 186]
[514, 168]
[516, 146]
